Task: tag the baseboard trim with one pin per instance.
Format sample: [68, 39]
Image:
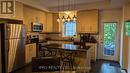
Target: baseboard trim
[125, 70]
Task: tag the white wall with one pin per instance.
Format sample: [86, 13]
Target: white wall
[110, 15]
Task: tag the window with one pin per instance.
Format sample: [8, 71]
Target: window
[127, 28]
[109, 38]
[69, 28]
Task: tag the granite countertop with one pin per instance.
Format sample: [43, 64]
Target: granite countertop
[29, 43]
[60, 39]
[69, 47]
[67, 40]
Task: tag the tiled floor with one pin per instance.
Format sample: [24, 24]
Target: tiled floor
[100, 66]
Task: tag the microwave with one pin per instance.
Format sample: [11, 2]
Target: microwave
[37, 27]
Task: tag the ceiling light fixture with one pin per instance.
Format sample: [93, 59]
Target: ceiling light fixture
[58, 19]
[74, 17]
[67, 12]
[63, 18]
[68, 18]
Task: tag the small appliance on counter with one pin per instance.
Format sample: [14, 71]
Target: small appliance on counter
[87, 38]
[32, 38]
[37, 27]
[84, 37]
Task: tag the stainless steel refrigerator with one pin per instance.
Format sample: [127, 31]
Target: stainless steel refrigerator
[12, 44]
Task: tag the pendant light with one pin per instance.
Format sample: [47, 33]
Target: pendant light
[63, 18]
[68, 18]
[58, 19]
[68, 9]
[74, 17]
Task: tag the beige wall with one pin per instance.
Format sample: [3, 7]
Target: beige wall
[110, 15]
[126, 40]
[19, 11]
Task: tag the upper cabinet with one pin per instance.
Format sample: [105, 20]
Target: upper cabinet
[55, 23]
[87, 21]
[49, 22]
[32, 15]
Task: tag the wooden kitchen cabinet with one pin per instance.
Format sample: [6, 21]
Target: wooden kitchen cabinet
[55, 23]
[49, 22]
[30, 52]
[93, 51]
[87, 21]
[82, 61]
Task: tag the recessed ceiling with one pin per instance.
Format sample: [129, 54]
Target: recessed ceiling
[52, 5]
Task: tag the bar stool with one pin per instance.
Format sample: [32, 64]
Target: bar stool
[67, 60]
[50, 52]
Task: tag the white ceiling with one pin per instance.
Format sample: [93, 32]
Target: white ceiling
[52, 5]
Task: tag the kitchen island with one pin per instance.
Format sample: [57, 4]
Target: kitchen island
[81, 58]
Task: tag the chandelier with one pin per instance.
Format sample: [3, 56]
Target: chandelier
[68, 17]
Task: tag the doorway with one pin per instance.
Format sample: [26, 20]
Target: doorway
[109, 45]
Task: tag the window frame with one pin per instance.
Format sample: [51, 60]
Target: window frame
[63, 35]
[128, 21]
[115, 40]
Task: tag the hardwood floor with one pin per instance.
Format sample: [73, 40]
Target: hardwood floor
[104, 66]
[100, 66]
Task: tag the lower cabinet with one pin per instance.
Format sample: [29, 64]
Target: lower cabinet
[82, 61]
[93, 51]
[30, 52]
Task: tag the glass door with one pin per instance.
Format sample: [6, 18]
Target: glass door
[109, 48]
